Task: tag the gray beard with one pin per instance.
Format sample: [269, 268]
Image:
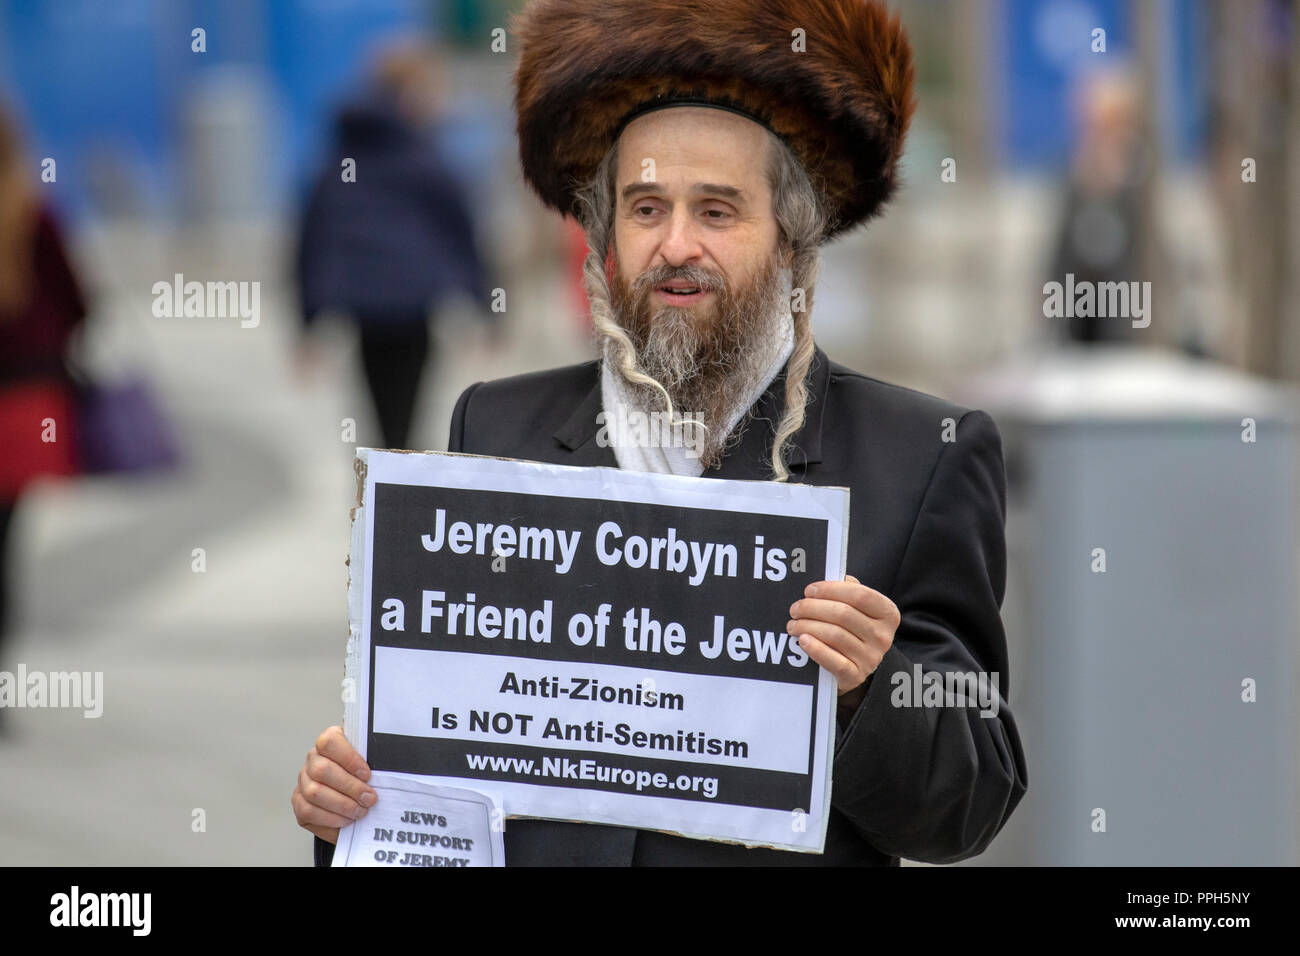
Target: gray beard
[706, 371]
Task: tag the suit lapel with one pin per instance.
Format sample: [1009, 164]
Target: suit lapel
[580, 431]
[751, 458]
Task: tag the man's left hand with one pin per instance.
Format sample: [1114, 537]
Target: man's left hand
[846, 627]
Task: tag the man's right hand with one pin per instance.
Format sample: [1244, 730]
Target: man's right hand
[332, 790]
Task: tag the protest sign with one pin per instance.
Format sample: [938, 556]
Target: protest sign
[593, 644]
[415, 824]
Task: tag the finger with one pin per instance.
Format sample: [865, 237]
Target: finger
[328, 834]
[328, 774]
[833, 612]
[335, 746]
[847, 645]
[310, 814]
[874, 637]
[867, 600]
[327, 798]
[841, 668]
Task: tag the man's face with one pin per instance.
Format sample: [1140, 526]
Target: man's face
[706, 203]
[693, 210]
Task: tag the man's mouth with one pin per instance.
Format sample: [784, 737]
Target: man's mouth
[681, 292]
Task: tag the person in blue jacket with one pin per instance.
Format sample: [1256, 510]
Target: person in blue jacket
[387, 234]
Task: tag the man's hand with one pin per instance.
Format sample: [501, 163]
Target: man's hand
[846, 627]
[332, 790]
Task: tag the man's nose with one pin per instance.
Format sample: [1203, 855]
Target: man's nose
[681, 242]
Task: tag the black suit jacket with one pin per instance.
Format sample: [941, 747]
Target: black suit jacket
[934, 784]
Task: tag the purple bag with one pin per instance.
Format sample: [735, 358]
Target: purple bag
[121, 428]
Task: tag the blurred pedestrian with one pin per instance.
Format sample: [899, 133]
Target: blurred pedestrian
[41, 306]
[1101, 226]
[387, 233]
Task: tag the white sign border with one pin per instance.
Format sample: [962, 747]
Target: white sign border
[501, 474]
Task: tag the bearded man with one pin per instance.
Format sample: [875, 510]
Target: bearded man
[708, 159]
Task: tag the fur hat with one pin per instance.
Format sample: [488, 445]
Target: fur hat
[842, 103]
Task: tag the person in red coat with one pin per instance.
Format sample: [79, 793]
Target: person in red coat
[41, 307]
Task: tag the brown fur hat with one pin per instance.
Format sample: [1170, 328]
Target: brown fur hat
[842, 104]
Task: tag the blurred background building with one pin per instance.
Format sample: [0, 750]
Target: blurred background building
[1150, 140]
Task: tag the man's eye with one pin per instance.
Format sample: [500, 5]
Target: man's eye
[637, 210]
[721, 214]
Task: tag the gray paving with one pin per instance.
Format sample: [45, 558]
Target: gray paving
[215, 683]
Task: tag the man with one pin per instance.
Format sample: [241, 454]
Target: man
[704, 196]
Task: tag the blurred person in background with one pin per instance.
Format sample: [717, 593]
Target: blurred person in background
[1099, 235]
[387, 233]
[41, 306]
